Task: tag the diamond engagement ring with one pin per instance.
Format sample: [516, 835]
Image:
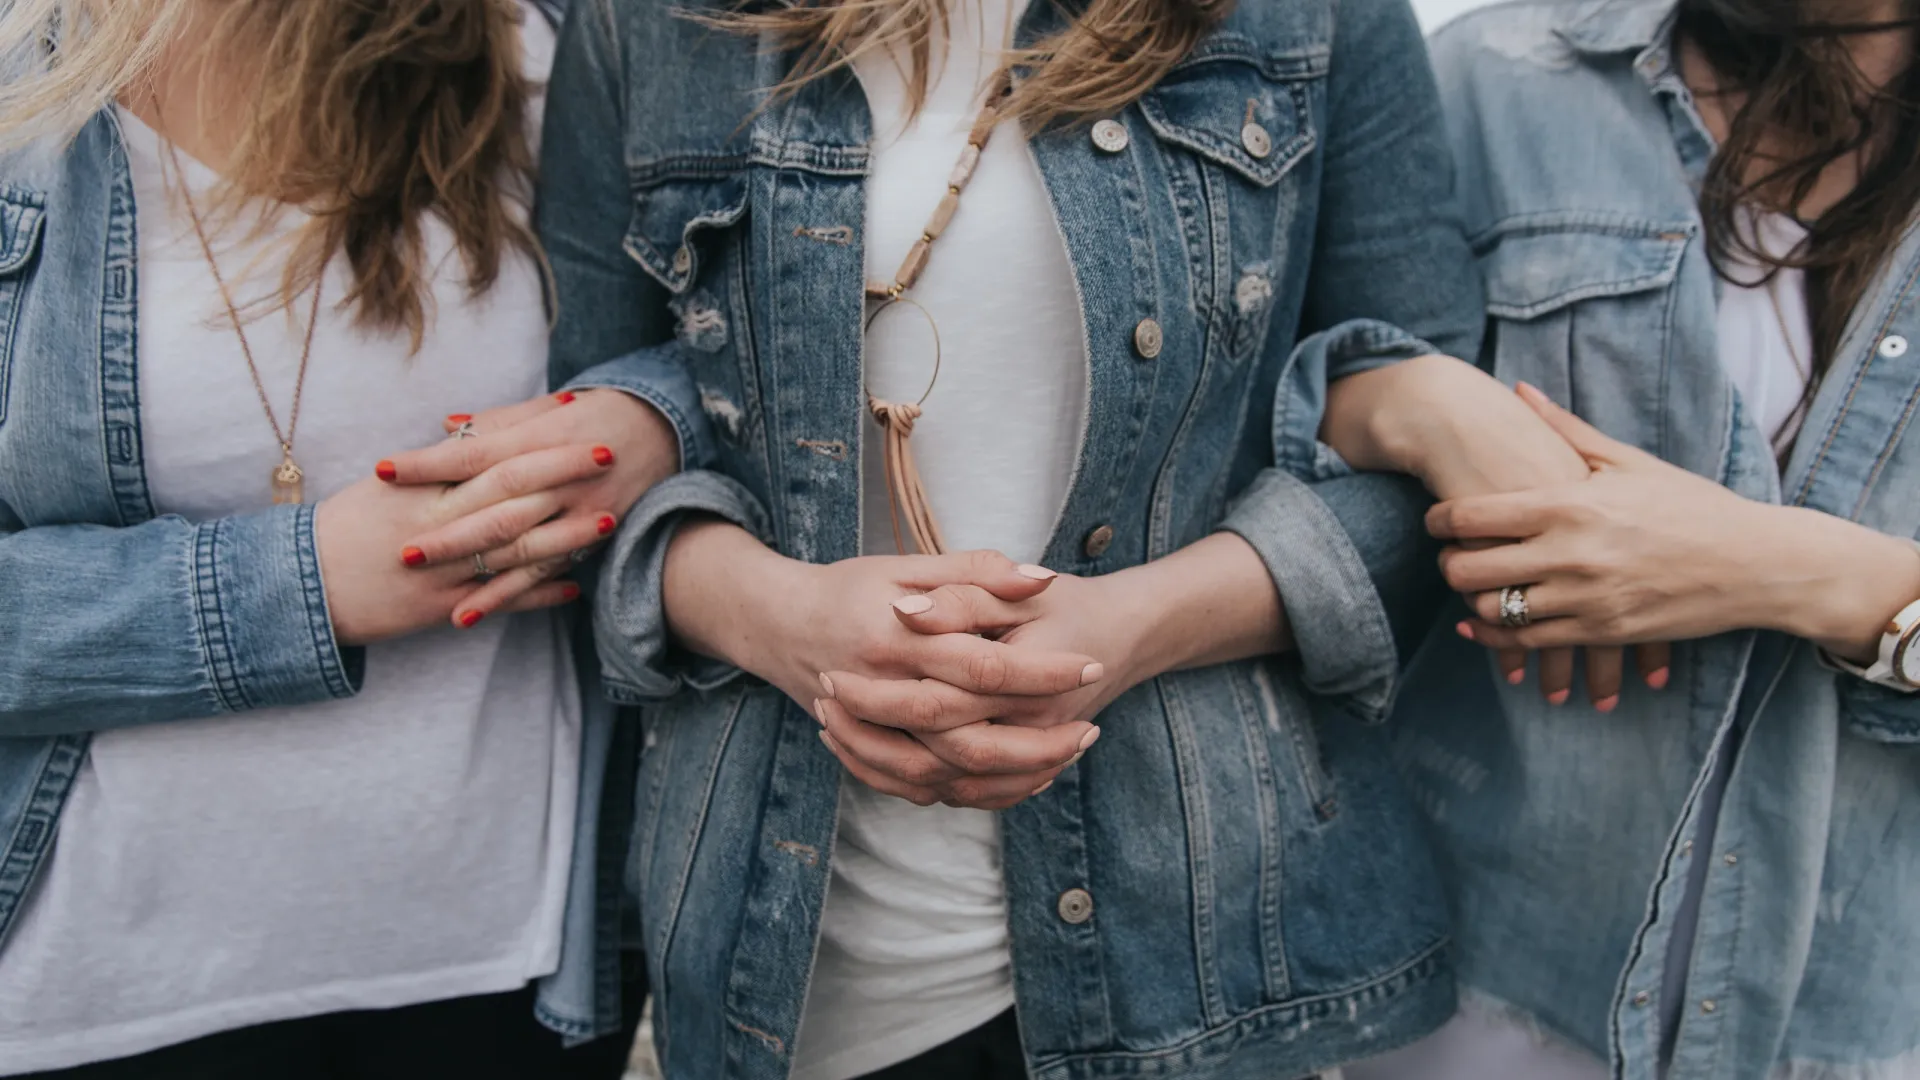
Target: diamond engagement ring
[1513, 607]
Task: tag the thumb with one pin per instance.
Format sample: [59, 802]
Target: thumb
[990, 570]
[1587, 441]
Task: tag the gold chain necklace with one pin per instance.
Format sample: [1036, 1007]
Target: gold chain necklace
[905, 492]
[287, 480]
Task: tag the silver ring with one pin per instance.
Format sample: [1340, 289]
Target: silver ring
[580, 555]
[1513, 607]
[480, 571]
[464, 431]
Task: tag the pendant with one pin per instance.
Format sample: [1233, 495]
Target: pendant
[287, 479]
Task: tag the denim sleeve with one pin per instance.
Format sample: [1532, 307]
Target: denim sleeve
[1880, 713]
[611, 323]
[1392, 277]
[639, 661]
[168, 620]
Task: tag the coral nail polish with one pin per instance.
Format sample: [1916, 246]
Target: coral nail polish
[605, 524]
[1607, 704]
[564, 397]
[1464, 629]
[1659, 677]
[569, 591]
[1559, 697]
[602, 456]
[412, 556]
[468, 618]
[459, 418]
[386, 471]
[1516, 676]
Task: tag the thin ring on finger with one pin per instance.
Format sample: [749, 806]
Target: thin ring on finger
[481, 572]
[555, 540]
[464, 431]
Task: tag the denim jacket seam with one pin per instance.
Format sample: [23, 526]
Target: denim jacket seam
[1846, 406]
[326, 645]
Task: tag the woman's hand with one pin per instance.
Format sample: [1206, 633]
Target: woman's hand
[376, 587]
[526, 540]
[1646, 551]
[791, 623]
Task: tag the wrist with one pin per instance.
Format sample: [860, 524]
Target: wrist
[723, 592]
[1832, 581]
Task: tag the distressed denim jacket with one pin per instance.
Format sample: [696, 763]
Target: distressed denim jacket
[112, 616]
[1570, 838]
[1263, 904]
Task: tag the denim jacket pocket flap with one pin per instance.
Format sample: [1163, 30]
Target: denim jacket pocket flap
[21, 219]
[670, 212]
[1239, 108]
[1536, 266]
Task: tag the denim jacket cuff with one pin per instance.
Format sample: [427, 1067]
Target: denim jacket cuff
[1340, 628]
[657, 378]
[1317, 362]
[266, 632]
[638, 658]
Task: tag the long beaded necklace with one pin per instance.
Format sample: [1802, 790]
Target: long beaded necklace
[906, 494]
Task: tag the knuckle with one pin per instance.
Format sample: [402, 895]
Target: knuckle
[987, 563]
[921, 771]
[976, 754]
[970, 792]
[925, 710]
[987, 670]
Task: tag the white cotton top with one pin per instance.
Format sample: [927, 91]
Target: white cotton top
[913, 942]
[406, 845]
[1765, 345]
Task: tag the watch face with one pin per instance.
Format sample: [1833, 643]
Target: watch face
[1906, 659]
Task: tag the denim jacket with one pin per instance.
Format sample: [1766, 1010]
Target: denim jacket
[1262, 900]
[1570, 837]
[112, 616]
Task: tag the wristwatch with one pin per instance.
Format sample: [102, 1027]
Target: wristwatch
[1898, 666]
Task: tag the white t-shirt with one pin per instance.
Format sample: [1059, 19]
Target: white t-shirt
[913, 943]
[409, 844]
[1766, 346]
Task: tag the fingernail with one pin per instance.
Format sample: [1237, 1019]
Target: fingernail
[827, 740]
[602, 456]
[1092, 736]
[1608, 704]
[1658, 677]
[917, 604]
[564, 397]
[826, 684]
[605, 524]
[818, 716]
[1516, 676]
[1559, 697]
[385, 471]
[569, 591]
[1074, 760]
[1464, 629]
[456, 419]
[1037, 573]
[468, 618]
[1041, 788]
[412, 556]
[1092, 673]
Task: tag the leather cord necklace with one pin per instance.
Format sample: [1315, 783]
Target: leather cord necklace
[906, 494]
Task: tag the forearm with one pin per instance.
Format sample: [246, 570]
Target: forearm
[1211, 602]
[723, 592]
[1824, 578]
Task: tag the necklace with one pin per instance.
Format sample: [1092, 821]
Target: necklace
[906, 495]
[286, 480]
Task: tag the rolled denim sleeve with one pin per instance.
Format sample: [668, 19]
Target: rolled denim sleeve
[657, 377]
[168, 620]
[639, 660]
[1880, 713]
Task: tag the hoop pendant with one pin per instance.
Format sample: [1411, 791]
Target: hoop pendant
[934, 327]
[906, 495]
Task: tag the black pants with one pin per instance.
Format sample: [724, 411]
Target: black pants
[988, 1052]
[478, 1038]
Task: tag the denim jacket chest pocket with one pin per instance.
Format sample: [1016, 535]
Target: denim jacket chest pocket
[22, 218]
[1575, 301]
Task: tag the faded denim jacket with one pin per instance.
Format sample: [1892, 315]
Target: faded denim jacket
[1263, 904]
[1570, 838]
[112, 616]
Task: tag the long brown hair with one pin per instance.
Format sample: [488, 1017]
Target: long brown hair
[1802, 91]
[369, 114]
[1109, 54]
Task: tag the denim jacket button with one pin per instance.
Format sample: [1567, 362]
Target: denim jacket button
[1147, 339]
[1893, 346]
[1098, 541]
[1110, 135]
[1076, 906]
[1640, 999]
[682, 259]
[1256, 140]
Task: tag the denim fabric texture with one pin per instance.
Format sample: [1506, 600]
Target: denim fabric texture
[1264, 903]
[1568, 836]
[111, 616]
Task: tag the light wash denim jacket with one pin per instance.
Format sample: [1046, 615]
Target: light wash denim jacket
[111, 616]
[1263, 901]
[1569, 836]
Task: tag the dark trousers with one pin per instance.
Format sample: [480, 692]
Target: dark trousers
[988, 1052]
[494, 1037]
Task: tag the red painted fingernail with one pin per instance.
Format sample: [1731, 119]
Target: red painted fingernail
[602, 456]
[569, 591]
[412, 556]
[1463, 629]
[468, 618]
[564, 397]
[1658, 678]
[1608, 704]
[1516, 676]
[459, 418]
[605, 524]
[1559, 697]
[386, 471]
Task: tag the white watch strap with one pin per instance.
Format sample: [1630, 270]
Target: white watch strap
[1884, 671]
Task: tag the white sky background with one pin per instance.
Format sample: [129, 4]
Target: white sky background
[1434, 12]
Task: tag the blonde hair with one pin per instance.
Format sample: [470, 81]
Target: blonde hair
[1106, 58]
[368, 114]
